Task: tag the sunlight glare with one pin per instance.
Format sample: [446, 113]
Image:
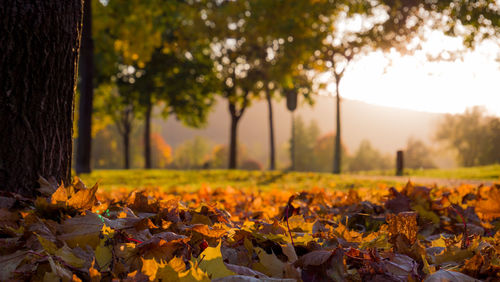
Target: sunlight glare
[412, 82]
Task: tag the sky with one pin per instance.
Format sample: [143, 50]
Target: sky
[413, 82]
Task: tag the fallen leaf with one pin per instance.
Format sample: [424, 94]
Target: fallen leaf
[213, 264]
[449, 276]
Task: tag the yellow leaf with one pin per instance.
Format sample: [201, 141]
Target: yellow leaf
[297, 223]
[59, 196]
[213, 263]
[273, 267]
[84, 199]
[103, 256]
[177, 264]
[66, 254]
[49, 246]
[149, 268]
[193, 274]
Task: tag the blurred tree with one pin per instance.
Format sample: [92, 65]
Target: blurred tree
[304, 141]
[358, 29]
[126, 33]
[323, 153]
[258, 48]
[220, 155]
[169, 68]
[283, 46]
[368, 158]
[183, 88]
[38, 58]
[224, 22]
[162, 152]
[106, 149]
[393, 25]
[473, 136]
[84, 138]
[192, 154]
[251, 164]
[417, 155]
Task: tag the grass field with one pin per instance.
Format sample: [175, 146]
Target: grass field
[192, 180]
[491, 172]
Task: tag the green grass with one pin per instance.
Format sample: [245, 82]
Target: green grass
[192, 180]
[490, 172]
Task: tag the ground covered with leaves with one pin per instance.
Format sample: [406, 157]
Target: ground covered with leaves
[412, 233]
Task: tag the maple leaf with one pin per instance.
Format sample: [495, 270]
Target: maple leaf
[213, 264]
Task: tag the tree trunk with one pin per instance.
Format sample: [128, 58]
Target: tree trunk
[292, 145]
[233, 141]
[147, 134]
[126, 149]
[84, 140]
[38, 59]
[337, 155]
[272, 154]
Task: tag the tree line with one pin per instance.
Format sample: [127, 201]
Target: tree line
[239, 50]
[180, 54]
[474, 137]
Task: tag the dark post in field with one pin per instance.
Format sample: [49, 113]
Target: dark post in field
[399, 163]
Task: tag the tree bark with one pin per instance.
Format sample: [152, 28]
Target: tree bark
[84, 140]
[272, 152]
[233, 141]
[147, 134]
[337, 155]
[38, 59]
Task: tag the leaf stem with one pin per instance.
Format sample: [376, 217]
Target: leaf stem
[287, 225]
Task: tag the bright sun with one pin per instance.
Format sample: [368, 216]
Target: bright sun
[412, 82]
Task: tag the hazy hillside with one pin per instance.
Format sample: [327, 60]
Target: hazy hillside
[387, 128]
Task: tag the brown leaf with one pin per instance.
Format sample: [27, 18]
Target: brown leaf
[208, 231]
[314, 258]
[82, 230]
[9, 264]
[488, 206]
[405, 224]
[398, 203]
[84, 199]
[449, 276]
[243, 270]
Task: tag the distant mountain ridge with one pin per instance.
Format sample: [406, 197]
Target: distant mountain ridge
[387, 128]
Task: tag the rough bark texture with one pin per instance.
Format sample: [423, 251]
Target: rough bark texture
[337, 154]
[147, 134]
[84, 140]
[272, 154]
[39, 48]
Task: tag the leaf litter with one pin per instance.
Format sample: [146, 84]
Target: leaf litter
[412, 234]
